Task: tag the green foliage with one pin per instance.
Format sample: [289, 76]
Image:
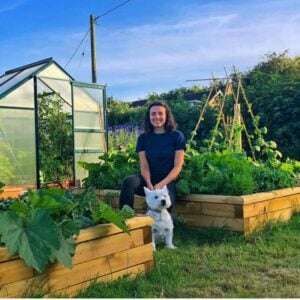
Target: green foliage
[1, 186]
[34, 228]
[229, 173]
[40, 226]
[122, 135]
[107, 213]
[123, 113]
[55, 138]
[112, 168]
[222, 173]
[268, 178]
[274, 89]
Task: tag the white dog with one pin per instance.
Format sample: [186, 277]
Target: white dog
[158, 201]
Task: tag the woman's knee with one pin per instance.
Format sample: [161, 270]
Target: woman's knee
[131, 181]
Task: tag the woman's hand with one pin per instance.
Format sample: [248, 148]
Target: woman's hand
[150, 186]
[159, 186]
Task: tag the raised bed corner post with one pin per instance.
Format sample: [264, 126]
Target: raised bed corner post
[36, 128]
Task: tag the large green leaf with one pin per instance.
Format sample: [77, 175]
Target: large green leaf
[64, 253]
[20, 208]
[106, 213]
[33, 238]
[69, 227]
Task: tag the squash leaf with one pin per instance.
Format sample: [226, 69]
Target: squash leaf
[32, 238]
[106, 213]
[64, 253]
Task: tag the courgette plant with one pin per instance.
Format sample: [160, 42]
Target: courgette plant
[40, 226]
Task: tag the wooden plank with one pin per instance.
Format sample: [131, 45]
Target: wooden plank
[212, 198]
[14, 270]
[270, 205]
[234, 224]
[93, 249]
[5, 256]
[110, 229]
[22, 288]
[208, 209]
[258, 222]
[270, 195]
[62, 279]
[103, 247]
[75, 289]
[147, 234]
[99, 267]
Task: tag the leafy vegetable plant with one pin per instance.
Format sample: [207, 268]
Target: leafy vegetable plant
[41, 225]
[112, 168]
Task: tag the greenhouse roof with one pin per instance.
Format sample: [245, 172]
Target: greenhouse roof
[14, 78]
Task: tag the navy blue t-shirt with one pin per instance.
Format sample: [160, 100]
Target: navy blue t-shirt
[160, 150]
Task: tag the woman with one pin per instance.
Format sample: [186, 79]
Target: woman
[161, 152]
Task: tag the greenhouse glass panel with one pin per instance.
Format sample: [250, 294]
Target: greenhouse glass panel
[82, 173]
[54, 71]
[61, 87]
[20, 97]
[88, 120]
[17, 147]
[21, 75]
[86, 141]
[6, 77]
[89, 123]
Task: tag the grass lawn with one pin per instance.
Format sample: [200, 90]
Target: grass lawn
[217, 263]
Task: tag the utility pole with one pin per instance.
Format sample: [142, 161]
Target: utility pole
[93, 48]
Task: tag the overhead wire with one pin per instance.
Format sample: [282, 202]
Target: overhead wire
[82, 40]
[114, 8]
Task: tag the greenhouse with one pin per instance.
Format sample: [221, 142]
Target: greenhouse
[48, 123]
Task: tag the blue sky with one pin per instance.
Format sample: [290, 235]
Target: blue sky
[148, 46]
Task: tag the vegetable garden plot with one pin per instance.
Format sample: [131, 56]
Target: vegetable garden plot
[103, 253]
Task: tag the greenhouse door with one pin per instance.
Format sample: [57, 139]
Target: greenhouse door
[90, 135]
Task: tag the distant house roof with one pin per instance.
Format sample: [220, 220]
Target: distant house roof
[13, 78]
[191, 98]
[139, 103]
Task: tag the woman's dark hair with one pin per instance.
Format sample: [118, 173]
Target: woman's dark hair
[170, 124]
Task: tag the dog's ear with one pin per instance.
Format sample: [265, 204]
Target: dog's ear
[146, 190]
[165, 189]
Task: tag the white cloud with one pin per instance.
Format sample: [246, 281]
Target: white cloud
[11, 5]
[175, 50]
[194, 42]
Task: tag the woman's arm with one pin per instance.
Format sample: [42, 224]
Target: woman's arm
[178, 162]
[145, 170]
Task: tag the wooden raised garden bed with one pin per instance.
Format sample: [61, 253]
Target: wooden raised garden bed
[12, 191]
[103, 253]
[238, 213]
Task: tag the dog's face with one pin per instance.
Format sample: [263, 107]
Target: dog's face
[158, 199]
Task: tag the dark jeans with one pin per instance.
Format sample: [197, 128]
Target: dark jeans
[134, 184]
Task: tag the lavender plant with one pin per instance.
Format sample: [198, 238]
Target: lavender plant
[120, 136]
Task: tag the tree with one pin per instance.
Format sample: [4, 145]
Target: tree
[273, 87]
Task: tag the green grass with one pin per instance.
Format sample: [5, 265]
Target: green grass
[218, 263]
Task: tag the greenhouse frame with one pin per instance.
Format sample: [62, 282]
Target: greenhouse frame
[82, 105]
